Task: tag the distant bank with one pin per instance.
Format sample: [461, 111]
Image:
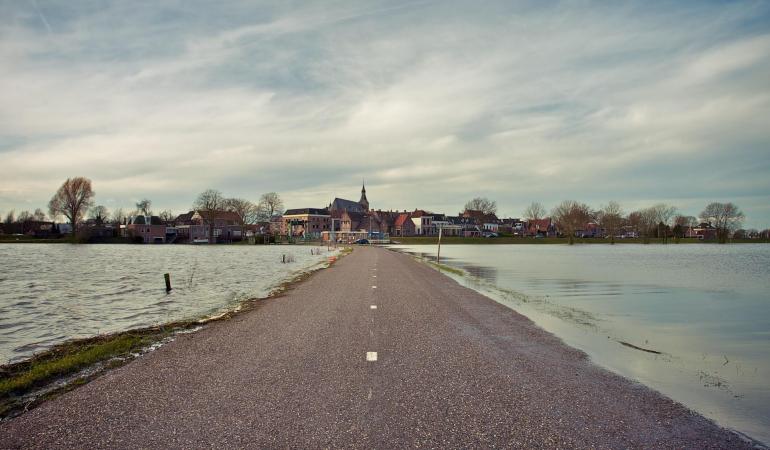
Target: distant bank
[425, 240]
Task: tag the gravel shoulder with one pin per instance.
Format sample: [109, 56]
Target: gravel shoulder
[453, 369]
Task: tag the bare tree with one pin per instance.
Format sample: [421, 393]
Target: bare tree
[610, 218]
[655, 220]
[664, 213]
[24, 216]
[570, 216]
[209, 203]
[534, 212]
[167, 216]
[682, 224]
[72, 200]
[483, 204]
[144, 206]
[725, 217]
[270, 204]
[100, 214]
[647, 222]
[118, 216]
[10, 217]
[38, 215]
[246, 211]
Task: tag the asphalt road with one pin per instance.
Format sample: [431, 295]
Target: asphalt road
[452, 369]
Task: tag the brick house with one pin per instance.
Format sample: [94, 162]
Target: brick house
[150, 229]
[305, 222]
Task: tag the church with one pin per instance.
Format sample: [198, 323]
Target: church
[357, 219]
[341, 204]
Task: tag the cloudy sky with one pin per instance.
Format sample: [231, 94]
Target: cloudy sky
[432, 103]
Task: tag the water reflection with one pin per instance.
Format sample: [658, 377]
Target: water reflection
[705, 308]
[486, 273]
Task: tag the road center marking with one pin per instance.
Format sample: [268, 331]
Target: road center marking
[369, 397]
[373, 307]
[374, 276]
[374, 287]
[371, 356]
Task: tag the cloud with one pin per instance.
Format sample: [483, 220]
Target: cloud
[432, 102]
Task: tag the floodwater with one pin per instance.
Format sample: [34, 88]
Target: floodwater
[50, 293]
[704, 308]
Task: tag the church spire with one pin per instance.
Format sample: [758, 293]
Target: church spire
[364, 202]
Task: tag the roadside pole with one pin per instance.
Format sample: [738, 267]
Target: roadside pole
[438, 253]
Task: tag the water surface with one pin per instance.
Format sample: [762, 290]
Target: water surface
[50, 293]
[704, 308]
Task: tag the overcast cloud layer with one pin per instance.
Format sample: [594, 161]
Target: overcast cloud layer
[432, 103]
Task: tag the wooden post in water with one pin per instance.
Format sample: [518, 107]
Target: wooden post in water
[438, 253]
[168, 282]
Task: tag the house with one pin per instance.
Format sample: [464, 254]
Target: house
[196, 227]
[403, 225]
[275, 224]
[479, 217]
[446, 225]
[590, 230]
[39, 229]
[305, 222]
[541, 227]
[423, 223]
[491, 227]
[467, 225]
[704, 231]
[148, 229]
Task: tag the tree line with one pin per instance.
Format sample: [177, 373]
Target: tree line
[660, 220]
[75, 201]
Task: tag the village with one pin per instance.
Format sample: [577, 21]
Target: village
[345, 221]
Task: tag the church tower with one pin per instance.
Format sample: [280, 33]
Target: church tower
[364, 202]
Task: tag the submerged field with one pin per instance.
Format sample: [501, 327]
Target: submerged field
[690, 321]
[53, 293]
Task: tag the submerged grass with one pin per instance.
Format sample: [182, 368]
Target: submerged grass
[445, 268]
[71, 364]
[20, 382]
[37, 372]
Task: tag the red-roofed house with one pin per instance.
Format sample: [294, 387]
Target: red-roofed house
[403, 225]
[542, 227]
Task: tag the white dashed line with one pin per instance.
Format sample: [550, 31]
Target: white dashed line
[373, 307]
[369, 397]
[374, 276]
[374, 287]
[371, 356]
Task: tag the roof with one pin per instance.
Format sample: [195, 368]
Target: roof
[186, 217]
[401, 219]
[303, 211]
[145, 220]
[459, 220]
[346, 205]
[540, 224]
[355, 216]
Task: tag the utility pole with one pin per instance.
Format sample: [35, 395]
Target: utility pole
[438, 253]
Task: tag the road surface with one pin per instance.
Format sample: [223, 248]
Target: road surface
[378, 351]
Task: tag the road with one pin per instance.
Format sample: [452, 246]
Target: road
[378, 351]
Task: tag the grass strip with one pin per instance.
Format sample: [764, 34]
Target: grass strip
[39, 372]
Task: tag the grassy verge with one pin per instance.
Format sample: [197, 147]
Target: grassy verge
[65, 366]
[445, 268]
[20, 381]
